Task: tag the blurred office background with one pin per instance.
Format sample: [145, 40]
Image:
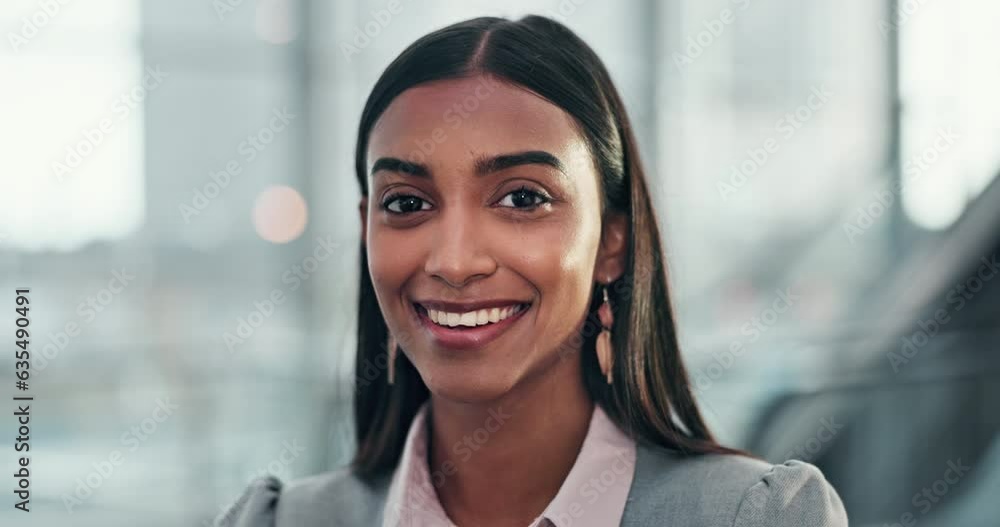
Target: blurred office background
[825, 175]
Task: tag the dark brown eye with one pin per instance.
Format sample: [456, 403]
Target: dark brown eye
[523, 198]
[403, 204]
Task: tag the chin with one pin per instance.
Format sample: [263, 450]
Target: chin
[468, 383]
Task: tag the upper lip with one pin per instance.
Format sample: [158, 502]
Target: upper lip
[465, 307]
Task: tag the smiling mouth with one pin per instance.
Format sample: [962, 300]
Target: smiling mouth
[471, 319]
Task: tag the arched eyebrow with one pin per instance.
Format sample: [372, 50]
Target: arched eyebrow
[485, 165]
[392, 164]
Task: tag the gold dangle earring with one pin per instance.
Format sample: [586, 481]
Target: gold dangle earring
[391, 350]
[605, 356]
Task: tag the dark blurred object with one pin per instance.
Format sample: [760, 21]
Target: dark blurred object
[912, 433]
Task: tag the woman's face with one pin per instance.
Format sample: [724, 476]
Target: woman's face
[483, 203]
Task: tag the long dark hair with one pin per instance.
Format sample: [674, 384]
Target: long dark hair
[650, 398]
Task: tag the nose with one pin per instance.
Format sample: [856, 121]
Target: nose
[460, 253]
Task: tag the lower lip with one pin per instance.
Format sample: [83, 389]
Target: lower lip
[466, 337]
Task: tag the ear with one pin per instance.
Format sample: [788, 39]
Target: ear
[610, 263]
[363, 211]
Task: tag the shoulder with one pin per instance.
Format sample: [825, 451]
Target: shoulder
[254, 507]
[308, 501]
[791, 493]
[732, 490]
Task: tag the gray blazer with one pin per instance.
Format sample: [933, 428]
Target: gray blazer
[667, 490]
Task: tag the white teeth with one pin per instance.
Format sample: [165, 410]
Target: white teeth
[473, 318]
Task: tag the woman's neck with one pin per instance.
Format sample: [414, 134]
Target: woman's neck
[501, 463]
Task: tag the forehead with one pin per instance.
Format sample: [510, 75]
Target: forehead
[457, 119]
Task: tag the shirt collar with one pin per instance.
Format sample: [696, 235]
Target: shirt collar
[593, 494]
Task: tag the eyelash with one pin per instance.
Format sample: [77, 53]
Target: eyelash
[543, 199]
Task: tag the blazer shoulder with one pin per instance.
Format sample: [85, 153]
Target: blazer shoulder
[792, 493]
[305, 502]
[730, 490]
[255, 506]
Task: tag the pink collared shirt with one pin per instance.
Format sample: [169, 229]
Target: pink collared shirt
[592, 495]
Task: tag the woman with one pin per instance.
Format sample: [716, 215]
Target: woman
[516, 307]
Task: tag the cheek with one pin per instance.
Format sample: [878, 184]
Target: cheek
[561, 268]
[388, 260]
[559, 260]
